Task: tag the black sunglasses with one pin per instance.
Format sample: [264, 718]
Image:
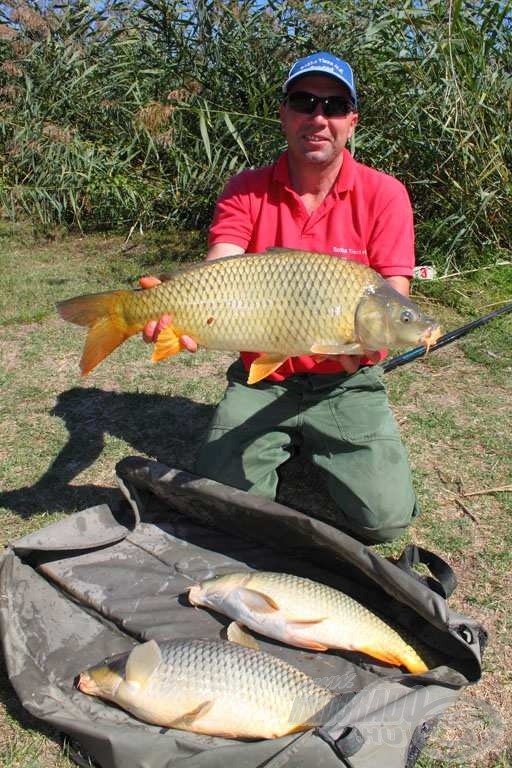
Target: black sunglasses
[333, 106]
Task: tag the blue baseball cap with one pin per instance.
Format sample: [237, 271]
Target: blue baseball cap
[323, 63]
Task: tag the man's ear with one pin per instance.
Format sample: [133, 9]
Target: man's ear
[353, 123]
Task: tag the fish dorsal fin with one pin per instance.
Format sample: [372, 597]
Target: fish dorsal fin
[257, 601]
[263, 366]
[142, 662]
[280, 249]
[235, 633]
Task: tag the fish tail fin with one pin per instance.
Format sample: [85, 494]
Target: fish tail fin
[400, 657]
[387, 655]
[102, 314]
[414, 663]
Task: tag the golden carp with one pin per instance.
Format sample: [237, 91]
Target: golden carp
[279, 303]
[212, 687]
[304, 613]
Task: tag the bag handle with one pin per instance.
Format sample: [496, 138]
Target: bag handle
[445, 580]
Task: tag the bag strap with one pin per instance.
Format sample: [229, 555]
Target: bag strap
[348, 743]
[445, 580]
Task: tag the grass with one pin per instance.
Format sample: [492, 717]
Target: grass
[61, 435]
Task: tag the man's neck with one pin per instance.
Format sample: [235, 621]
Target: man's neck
[312, 182]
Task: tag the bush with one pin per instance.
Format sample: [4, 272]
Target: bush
[137, 114]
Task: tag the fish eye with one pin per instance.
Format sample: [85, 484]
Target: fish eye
[406, 316]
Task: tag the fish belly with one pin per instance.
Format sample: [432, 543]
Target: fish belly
[221, 715]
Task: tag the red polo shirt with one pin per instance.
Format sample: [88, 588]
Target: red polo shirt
[366, 216]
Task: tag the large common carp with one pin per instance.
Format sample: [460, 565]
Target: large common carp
[212, 687]
[304, 613]
[280, 303]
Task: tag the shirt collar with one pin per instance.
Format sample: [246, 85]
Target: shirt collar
[344, 182]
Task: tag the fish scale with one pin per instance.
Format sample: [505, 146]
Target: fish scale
[316, 598]
[255, 673]
[280, 302]
[213, 687]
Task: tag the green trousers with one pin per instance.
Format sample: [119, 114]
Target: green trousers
[342, 423]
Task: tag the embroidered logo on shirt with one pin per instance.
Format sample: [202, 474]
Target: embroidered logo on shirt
[349, 251]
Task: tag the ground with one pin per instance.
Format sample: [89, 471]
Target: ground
[61, 435]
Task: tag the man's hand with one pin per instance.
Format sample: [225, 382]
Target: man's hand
[153, 327]
[351, 363]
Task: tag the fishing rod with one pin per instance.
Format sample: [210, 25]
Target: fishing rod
[412, 354]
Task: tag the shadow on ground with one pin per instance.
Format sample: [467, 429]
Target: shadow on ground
[169, 429]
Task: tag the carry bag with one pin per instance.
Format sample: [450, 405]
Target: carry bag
[100, 581]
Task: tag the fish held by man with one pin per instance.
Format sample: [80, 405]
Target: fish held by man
[306, 614]
[211, 687]
[281, 303]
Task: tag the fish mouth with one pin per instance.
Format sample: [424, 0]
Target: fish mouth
[194, 593]
[84, 683]
[431, 336]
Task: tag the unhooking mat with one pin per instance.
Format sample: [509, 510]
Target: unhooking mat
[96, 583]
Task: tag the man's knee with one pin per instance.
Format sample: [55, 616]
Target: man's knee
[251, 467]
[377, 522]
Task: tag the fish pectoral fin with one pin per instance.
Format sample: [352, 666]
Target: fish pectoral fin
[142, 662]
[263, 366]
[168, 343]
[256, 601]
[236, 633]
[304, 622]
[337, 349]
[295, 636]
[188, 719]
[313, 645]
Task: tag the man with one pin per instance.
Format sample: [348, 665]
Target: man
[316, 197]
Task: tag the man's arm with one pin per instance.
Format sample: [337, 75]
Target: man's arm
[399, 283]
[220, 250]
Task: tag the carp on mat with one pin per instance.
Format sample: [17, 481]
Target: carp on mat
[280, 303]
[211, 687]
[304, 613]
